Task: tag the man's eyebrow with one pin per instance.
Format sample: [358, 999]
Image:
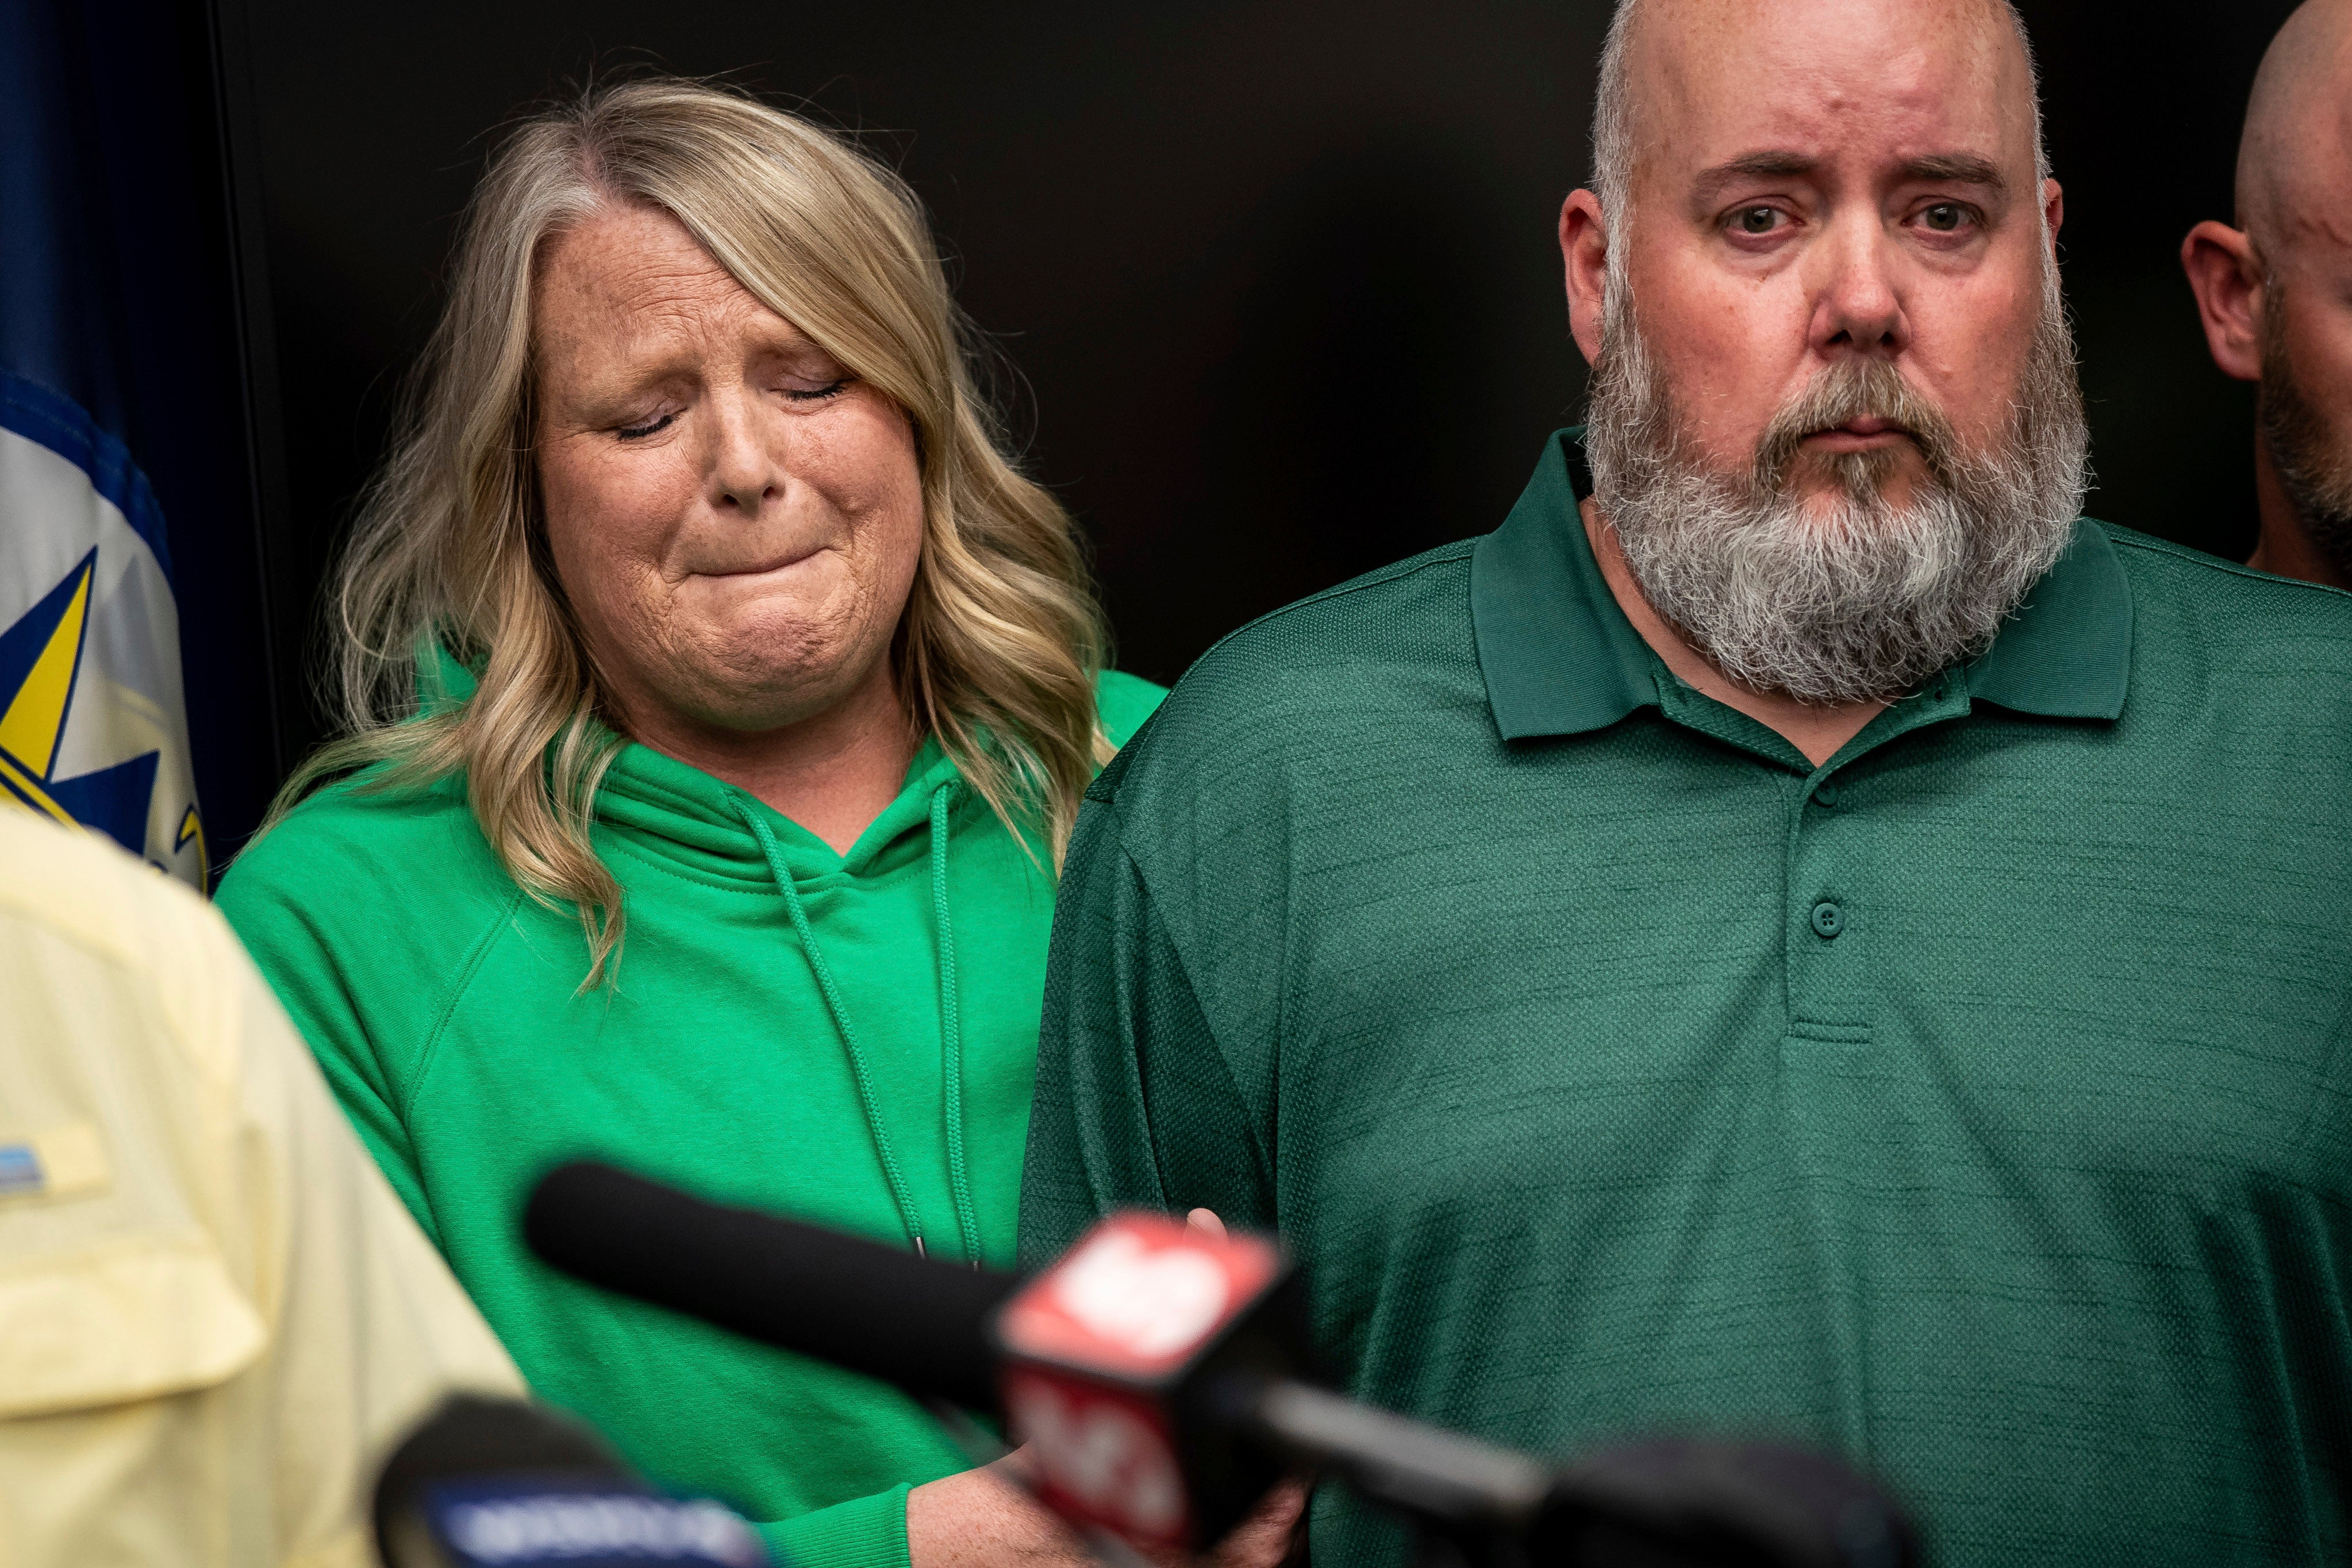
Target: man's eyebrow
[1766, 165]
[1934, 168]
[1955, 169]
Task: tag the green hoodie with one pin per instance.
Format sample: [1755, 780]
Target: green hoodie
[444, 1007]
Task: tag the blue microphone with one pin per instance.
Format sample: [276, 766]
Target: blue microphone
[500, 1483]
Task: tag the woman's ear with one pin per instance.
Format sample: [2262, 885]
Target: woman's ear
[1584, 251]
[2227, 275]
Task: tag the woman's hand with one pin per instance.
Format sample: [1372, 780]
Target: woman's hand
[986, 1519]
[983, 1519]
[1264, 1538]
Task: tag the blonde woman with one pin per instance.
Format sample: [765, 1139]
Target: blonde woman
[719, 701]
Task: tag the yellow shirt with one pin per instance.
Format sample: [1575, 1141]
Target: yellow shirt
[215, 1317]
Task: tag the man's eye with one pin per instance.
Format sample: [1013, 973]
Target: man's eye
[1946, 217]
[1756, 220]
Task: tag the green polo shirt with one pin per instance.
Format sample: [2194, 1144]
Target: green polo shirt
[1975, 1105]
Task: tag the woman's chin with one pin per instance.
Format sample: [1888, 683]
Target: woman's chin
[745, 688]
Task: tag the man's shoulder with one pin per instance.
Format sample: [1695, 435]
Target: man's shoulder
[1410, 614]
[1292, 677]
[2192, 604]
[127, 928]
[1419, 602]
[94, 895]
[2163, 573]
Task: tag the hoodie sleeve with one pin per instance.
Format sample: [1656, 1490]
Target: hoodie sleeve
[864, 1532]
[365, 976]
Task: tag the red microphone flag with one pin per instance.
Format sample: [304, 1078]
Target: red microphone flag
[1112, 1358]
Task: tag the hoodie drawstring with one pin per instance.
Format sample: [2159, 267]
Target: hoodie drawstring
[951, 1029]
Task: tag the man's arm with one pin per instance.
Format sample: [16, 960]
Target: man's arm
[1137, 1102]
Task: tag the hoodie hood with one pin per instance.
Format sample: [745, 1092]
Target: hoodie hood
[678, 816]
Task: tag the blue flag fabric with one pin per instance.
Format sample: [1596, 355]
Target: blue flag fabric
[93, 725]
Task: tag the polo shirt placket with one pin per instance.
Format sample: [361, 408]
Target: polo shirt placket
[1832, 1077]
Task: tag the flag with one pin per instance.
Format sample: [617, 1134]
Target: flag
[93, 725]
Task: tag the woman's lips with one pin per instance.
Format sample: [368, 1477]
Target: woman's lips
[759, 568]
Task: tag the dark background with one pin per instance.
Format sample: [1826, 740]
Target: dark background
[1279, 275]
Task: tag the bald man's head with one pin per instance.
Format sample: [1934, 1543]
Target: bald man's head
[1834, 424]
[2295, 159]
[2274, 293]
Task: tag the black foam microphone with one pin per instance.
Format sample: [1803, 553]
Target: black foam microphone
[1154, 1373]
[872, 1309]
[486, 1482]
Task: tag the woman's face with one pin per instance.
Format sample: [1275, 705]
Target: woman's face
[735, 518]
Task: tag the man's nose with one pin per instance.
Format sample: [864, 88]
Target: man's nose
[745, 471]
[1857, 307]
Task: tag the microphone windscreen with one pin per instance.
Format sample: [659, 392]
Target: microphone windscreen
[1670, 1501]
[859, 1304]
[487, 1483]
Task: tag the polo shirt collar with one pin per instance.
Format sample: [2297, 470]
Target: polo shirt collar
[1558, 656]
[1561, 658]
[2066, 653]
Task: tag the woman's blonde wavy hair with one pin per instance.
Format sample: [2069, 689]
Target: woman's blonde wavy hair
[998, 649]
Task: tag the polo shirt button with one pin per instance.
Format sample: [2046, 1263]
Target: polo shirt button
[1825, 792]
[1828, 920]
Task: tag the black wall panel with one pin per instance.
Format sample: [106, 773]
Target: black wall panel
[1278, 276]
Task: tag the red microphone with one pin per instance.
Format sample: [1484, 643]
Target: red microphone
[1124, 1366]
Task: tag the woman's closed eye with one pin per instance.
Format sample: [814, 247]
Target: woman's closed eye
[817, 393]
[639, 431]
[797, 389]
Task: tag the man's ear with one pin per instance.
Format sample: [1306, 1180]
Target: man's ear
[1584, 248]
[2230, 282]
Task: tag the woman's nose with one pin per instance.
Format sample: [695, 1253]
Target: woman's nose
[746, 472]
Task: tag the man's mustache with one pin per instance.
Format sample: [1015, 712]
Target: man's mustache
[1852, 392]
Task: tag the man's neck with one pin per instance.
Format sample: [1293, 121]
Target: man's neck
[2285, 546]
[832, 773]
[1817, 731]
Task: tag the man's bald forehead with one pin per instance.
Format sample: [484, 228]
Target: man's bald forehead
[1689, 19]
[2298, 121]
[1652, 42]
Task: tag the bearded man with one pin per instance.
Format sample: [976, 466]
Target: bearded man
[2273, 293]
[1795, 932]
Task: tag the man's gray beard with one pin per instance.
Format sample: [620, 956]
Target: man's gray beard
[1846, 597]
[2316, 475]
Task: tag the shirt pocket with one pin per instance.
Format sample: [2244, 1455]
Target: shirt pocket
[90, 1319]
[138, 1317]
